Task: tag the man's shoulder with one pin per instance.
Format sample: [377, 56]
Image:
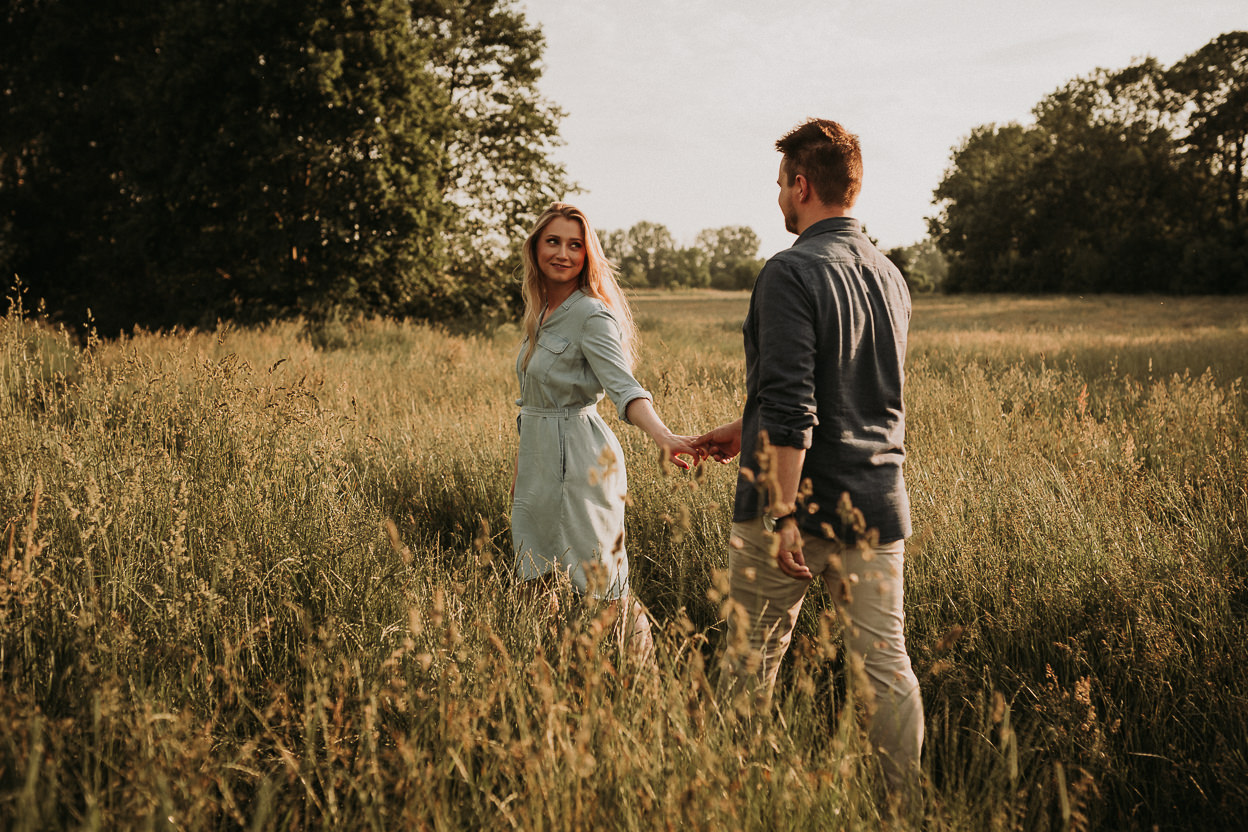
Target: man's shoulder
[847, 248]
[814, 268]
[829, 250]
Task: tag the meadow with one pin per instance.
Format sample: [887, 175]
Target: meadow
[257, 578]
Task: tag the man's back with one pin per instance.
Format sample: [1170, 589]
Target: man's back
[825, 342]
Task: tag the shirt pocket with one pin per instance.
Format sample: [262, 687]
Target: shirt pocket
[551, 347]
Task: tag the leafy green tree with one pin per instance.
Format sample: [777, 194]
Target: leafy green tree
[681, 267]
[983, 201]
[173, 162]
[1105, 191]
[921, 264]
[614, 244]
[617, 247]
[732, 256]
[646, 254]
[1111, 191]
[496, 173]
[1214, 80]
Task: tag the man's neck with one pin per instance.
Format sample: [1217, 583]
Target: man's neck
[817, 213]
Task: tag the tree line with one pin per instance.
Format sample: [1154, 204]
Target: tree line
[176, 162]
[647, 255]
[1128, 181]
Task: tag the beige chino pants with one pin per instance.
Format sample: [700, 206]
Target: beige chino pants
[866, 587]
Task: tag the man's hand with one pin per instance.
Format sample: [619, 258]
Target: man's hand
[721, 444]
[789, 555]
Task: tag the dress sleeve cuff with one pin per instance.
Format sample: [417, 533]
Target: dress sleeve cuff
[629, 397]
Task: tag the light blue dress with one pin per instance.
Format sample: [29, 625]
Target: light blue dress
[568, 509]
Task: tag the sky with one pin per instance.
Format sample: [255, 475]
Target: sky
[673, 107]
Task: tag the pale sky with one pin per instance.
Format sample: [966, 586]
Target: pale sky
[674, 106]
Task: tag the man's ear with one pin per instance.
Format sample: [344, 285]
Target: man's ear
[803, 188]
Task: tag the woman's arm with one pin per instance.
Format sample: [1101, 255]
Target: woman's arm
[603, 349]
[641, 413]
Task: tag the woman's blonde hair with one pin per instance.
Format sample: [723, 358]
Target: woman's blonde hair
[597, 279]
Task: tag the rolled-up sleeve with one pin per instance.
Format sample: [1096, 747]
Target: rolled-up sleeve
[603, 347]
[787, 346]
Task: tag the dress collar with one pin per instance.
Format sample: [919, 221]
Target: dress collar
[576, 295]
[571, 300]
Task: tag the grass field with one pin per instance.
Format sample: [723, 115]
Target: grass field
[257, 578]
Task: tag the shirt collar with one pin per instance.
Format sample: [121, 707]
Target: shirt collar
[572, 299]
[831, 224]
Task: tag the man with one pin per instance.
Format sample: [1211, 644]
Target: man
[825, 344]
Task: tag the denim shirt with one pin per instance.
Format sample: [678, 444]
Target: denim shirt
[825, 347]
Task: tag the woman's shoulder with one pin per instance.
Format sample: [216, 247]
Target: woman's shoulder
[590, 309]
[591, 305]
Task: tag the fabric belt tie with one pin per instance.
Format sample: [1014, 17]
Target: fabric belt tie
[563, 412]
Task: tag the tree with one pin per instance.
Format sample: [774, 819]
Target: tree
[647, 255]
[174, 162]
[732, 256]
[647, 247]
[496, 173]
[921, 264]
[984, 207]
[169, 163]
[618, 249]
[614, 244]
[1114, 195]
[1214, 80]
[1102, 193]
[681, 267]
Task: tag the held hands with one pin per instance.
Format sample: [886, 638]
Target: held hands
[675, 447]
[721, 444]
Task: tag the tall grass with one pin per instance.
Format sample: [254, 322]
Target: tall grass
[258, 578]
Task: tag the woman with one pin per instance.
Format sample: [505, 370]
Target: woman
[568, 494]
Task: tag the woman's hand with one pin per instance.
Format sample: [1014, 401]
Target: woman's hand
[676, 446]
[642, 414]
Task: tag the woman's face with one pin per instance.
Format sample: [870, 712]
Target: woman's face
[561, 251]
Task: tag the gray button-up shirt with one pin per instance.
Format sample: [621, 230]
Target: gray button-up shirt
[825, 347]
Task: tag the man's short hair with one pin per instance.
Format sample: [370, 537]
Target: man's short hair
[828, 156]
